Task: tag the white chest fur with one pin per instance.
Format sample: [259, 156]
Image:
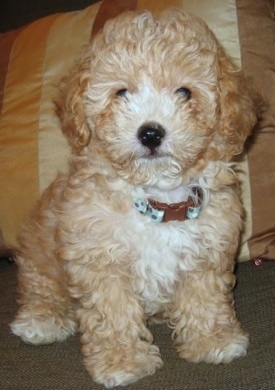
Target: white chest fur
[163, 250]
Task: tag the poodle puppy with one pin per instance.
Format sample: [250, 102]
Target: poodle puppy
[145, 225]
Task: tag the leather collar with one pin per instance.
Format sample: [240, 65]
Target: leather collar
[164, 212]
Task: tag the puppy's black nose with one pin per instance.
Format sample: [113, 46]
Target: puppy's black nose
[151, 134]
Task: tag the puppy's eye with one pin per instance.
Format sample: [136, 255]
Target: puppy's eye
[185, 92]
[122, 93]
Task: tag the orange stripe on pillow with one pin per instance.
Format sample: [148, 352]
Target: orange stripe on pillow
[6, 44]
[160, 5]
[19, 133]
[110, 9]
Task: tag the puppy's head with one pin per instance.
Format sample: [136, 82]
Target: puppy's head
[156, 98]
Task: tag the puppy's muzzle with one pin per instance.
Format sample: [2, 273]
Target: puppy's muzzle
[151, 135]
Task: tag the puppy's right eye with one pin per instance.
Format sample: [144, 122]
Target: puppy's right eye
[185, 92]
[122, 93]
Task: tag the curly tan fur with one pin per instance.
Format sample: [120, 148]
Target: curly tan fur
[89, 261]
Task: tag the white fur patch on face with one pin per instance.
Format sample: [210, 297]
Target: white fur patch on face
[146, 105]
[151, 105]
[163, 165]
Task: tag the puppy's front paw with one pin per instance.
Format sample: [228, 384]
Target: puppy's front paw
[230, 352]
[216, 349]
[125, 366]
[42, 329]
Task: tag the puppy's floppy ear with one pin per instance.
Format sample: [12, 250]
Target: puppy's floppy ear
[70, 106]
[240, 107]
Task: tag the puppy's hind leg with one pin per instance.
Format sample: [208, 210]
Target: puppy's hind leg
[46, 312]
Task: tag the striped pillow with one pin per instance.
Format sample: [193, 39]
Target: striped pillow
[33, 150]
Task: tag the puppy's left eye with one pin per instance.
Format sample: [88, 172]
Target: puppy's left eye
[185, 92]
[122, 93]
